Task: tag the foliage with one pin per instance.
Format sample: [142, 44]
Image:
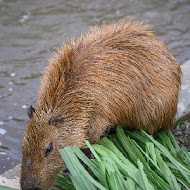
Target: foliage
[6, 188]
[127, 160]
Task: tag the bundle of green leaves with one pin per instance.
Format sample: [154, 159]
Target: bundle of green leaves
[127, 161]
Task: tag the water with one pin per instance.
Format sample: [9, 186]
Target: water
[31, 30]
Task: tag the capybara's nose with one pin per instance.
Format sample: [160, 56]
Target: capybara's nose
[30, 184]
[35, 188]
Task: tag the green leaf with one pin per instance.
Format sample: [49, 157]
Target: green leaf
[167, 174]
[5, 188]
[79, 174]
[144, 183]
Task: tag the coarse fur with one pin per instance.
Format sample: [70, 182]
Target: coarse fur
[118, 73]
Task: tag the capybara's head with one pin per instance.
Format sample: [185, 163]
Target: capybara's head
[41, 160]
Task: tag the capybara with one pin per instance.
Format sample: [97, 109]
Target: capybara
[118, 73]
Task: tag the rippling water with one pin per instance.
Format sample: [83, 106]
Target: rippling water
[30, 30]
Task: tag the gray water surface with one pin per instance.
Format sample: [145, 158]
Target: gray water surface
[30, 30]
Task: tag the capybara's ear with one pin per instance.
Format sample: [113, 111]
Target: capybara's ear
[56, 120]
[30, 111]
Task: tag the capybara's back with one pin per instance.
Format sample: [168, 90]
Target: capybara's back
[119, 74]
[115, 74]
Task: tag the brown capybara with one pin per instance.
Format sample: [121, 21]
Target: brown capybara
[118, 73]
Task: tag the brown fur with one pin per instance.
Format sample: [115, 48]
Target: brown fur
[118, 73]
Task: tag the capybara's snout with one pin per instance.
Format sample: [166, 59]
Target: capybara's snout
[29, 183]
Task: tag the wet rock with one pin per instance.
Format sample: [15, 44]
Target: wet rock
[184, 95]
[11, 178]
[182, 132]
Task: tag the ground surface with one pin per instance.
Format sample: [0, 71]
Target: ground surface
[182, 132]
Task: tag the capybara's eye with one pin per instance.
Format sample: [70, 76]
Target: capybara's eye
[48, 149]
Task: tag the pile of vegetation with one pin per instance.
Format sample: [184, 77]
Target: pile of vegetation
[127, 160]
